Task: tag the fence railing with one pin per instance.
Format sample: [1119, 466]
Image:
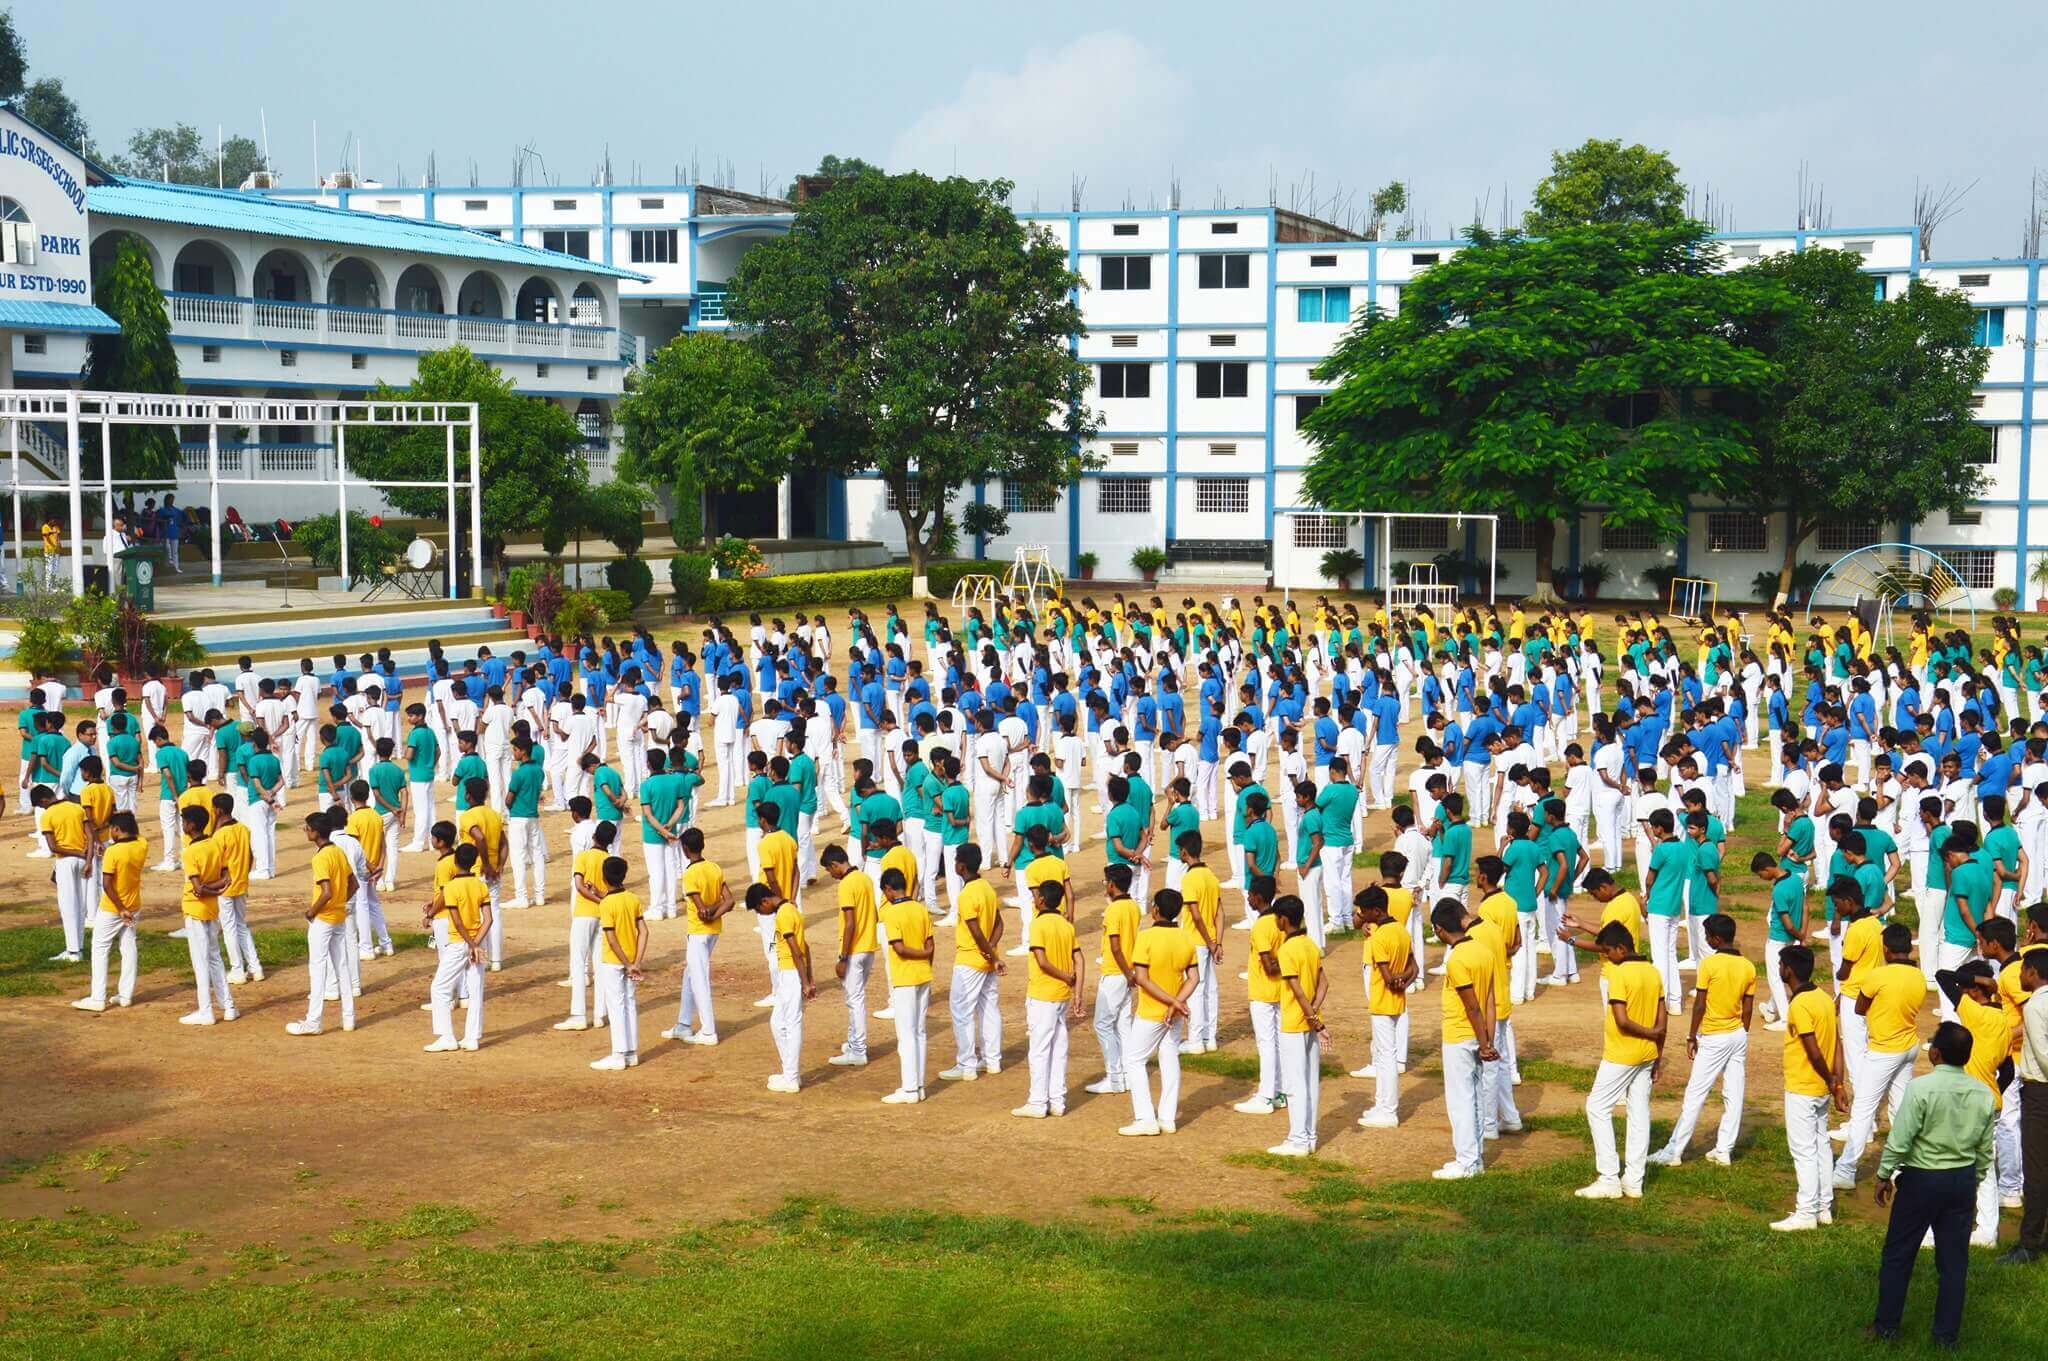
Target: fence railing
[209, 315]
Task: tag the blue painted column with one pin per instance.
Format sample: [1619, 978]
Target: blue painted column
[2024, 495]
[1172, 359]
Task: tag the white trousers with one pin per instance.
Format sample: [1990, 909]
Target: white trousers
[1308, 885]
[1335, 886]
[1301, 1077]
[209, 975]
[1381, 767]
[855, 989]
[1386, 1063]
[456, 973]
[694, 1009]
[977, 1019]
[1881, 1079]
[584, 933]
[1617, 1084]
[1464, 1093]
[328, 946]
[910, 1002]
[529, 847]
[109, 930]
[1806, 1138]
[1522, 967]
[786, 1022]
[73, 876]
[1664, 955]
[236, 938]
[1149, 1038]
[263, 839]
[1266, 1036]
[622, 1000]
[422, 815]
[1205, 1001]
[1113, 1018]
[1045, 1023]
[1724, 1057]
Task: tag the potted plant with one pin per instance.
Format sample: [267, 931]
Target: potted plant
[2040, 579]
[1340, 564]
[1148, 560]
[2004, 598]
[1593, 575]
[1084, 563]
[543, 599]
[499, 609]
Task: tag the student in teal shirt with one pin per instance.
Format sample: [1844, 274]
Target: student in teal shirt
[523, 785]
[1124, 828]
[1181, 817]
[1451, 847]
[803, 773]
[688, 781]
[1671, 869]
[955, 807]
[334, 771]
[471, 767]
[1336, 802]
[1523, 856]
[1704, 895]
[422, 748]
[1038, 811]
[607, 790]
[1261, 842]
[757, 790]
[387, 782]
[660, 797]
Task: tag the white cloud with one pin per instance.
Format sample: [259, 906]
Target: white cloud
[1105, 106]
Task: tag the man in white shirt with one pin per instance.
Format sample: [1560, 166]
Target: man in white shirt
[728, 744]
[494, 743]
[564, 775]
[305, 712]
[629, 727]
[247, 688]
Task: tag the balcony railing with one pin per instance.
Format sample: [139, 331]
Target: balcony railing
[270, 460]
[209, 316]
[711, 303]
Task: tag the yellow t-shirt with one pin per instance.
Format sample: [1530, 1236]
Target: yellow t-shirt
[1627, 909]
[1896, 992]
[1046, 869]
[1400, 902]
[1165, 953]
[490, 828]
[1470, 964]
[1490, 933]
[1119, 922]
[366, 825]
[236, 857]
[907, 920]
[122, 862]
[201, 860]
[1811, 1013]
[857, 894]
[1990, 1042]
[900, 857]
[705, 879]
[1637, 986]
[1267, 935]
[778, 857]
[977, 903]
[97, 800]
[2012, 995]
[1389, 945]
[1863, 952]
[1054, 934]
[465, 896]
[1726, 979]
[590, 869]
[330, 866]
[1201, 894]
[1301, 961]
[789, 929]
[619, 914]
[65, 824]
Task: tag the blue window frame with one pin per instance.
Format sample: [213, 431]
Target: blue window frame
[1322, 304]
[1990, 328]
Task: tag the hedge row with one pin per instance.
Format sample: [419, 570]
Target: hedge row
[817, 588]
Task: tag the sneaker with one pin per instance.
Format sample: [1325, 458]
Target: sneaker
[300, 1028]
[195, 1018]
[610, 1063]
[348, 1025]
[1673, 1007]
[1847, 1183]
[1191, 1047]
[66, 957]
[1983, 1240]
[1017, 951]
[2017, 1256]
[1553, 981]
[1632, 1190]
[1719, 1159]
[1840, 1133]
[899, 1097]
[1028, 1112]
[1663, 1157]
[360, 954]
[992, 1067]
[516, 905]
[255, 975]
[779, 1083]
[1254, 1105]
[848, 1060]
[962, 1073]
[1288, 1151]
[90, 1004]
[1140, 1129]
[886, 1014]
[1364, 1072]
[444, 1045]
[1240, 925]
[1604, 1189]
[578, 1023]
[1826, 1216]
[1511, 1127]
[1372, 1121]
[124, 1001]
[426, 1006]
[1452, 1172]
[2010, 1202]
[237, 977]
[1779, 1028]
[1103, 1088]
[1795, 1223]
[767, 1001]
[700, 1037]
[565, 982]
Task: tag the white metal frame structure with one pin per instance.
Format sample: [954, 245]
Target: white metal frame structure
[976, 589]
[75, 410]
[1892, 574]
[1385, 537]
[1033, 576]
[1423, 588]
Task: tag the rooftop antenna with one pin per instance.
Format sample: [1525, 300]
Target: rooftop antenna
[1173, 189]
[1932, 207]
[1080, 185]
[220, 172]
[263, 122]
[2037, 216]
[316, 153]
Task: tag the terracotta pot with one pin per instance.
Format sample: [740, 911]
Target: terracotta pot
[2041, 605]
[518, 618]
[1151, 576]
[533, 633]
[500, 610]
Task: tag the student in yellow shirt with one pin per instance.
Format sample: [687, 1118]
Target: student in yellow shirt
[705, 898]
[977, 963]
[586, 893]
[120, 906]
[327, 933]
[1201, 895]
[1889, 1003]
[1718, 1043]
[777, 851]
[1813, 1081]
[237, 855]
[1164, 969]
[1115, 978]
[908, 952]
[366, 825]
[1860, 952]
[1306, 988]
[1498, 925]
[67, 839]
[622, 924]
[461, 913]
[1390, 969]
[857, 920]
[483, 827]
[1470, 987]
[1616, 905]
[793, 983]
[1631, 1048]
[205, 876]
[1052, 998]
[1973, 991]
[1262, 991]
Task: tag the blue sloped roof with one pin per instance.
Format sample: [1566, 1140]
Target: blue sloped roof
[230, 210]
[31, 315]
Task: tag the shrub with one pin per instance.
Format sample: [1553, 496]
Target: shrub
[519, 586]
[807, 588]
[1593, 575]
[93, 622]
[632, 577]
[942, 577]
[616, 605]
[690, 575]
[1148, 559]
[371, 548]
[1086, 562]
[1341, 564]
[579, 613]
[42, 648]
[2004, 598]
[544, 598]
[737, 558]
[175, 647]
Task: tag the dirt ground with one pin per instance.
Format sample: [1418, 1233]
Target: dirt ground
[241, 1132]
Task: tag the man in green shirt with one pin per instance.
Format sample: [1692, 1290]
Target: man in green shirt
[608, 799]
[1338, 803]
[956, 815]
[1523, 856]
[171, 782]
[1783, 926]
[1128, 837]
[264, 776]
[523, 832]
[1261, 841]
[334, 773]
[1938, 1150]
[661, 804]
[422, 751]
[1451, 848]
[386, 779]
[1038, 811]
[470, 765]
[1671, 869]
[803, 774]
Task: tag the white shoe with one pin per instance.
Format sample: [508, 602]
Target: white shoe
[992, 1067]
[1983, 1240]
[779, 1083]
[1240, 925]
[348, 1025]
[1437, 972]
[195, 1018]
[90, 1004]
[1102, 1088]
[255, 975]
[1663, 1157]
[1017, 951]
[1632, 1190]
[300, 1028]
[1141, 1129]
[237, 977]
[1779, 1028]
[1846, 1184]
[1288, 1151]
[565, 982]
[886, 1014]
[1371, 1121]
[699, 1037]
[767, 1001]
[2010, 1202]
[66, 957]
[1191, 1047]
[1166, 1126]
[1255, 1105]
[1795, 1223]
[610, 1063]
[466, 1046]
[900, 1097]
[1452, 1172]
[848, 1061]
[578, 1023]
[1553, 981]
[1603, 1189]
[1673, 1007]
[426, 1006]
[960, 1074]
[497, 967]
[1028, 1112]
[516, 905]
[1365, 1072]
[442, 1046]
[1840, 1133]
[360, 954]
[1718, 1158]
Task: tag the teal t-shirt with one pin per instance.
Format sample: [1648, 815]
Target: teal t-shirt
[1706, 859]
[126, 749]
[1454, 844]
[1307, 828]
[757, 789]
[1337, 801]
[422, 750]
[803, 773]
[472, 767]
[1672, 863]
[955, 803]
[333, 771]
[1788, 902]
[659, 797]
[170, 768]
[607, 794]
[1046, 815]
[688, 781]
[878, 805]
[1261, 847]
[387, 785]
[917, 799]
[522, 789]
[1126, 824]
[1799, 840]
[1564, 842]
[788, 800]
[1181, 819]
[1971, 884]
[1523, 859]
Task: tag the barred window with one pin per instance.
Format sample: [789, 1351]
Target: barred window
[1736, 531]
[1018, 498]
[1978, 567]
[1223, 495]
[1846, 536]
[1123, 496]
[1517, 535]
[1321, 531]
[1628, 539]
[912, 492]
[1419, 536]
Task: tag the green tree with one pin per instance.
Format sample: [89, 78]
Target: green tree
[922, 331]
[837, 168]
[1606, 182]
[138, 358]
[1870, 417]
[1388, 202]
[13, 58]
[179, 154]
[530, 461]
[47, 106]
[1545, 376]
[705, 412]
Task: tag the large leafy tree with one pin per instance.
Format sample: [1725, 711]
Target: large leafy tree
[706, 413]
[43, 102]
[1870, 416]
[530, 461]
[179, 154]
[921, 331]
[138, 358]
[1595, 368]
[1606, 182]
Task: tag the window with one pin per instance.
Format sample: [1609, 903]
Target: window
[192, 278]
[1123, 496]
[1974, 280]
[1628, 539]
[1420, 258]
[1123, 342]
[288, 359]
[1322, 304]
[1978, 567]
[1976, 401]
[1303, 406]
[590, 372]
[1517, 535]
[1860, 247]
[565, 205]
[209, 354]
[1222, 378]
[17, 234]
[1735, 531]
[1990, 328]
[1223, 229]
[35, 344]
[654, 203]
[475, 205]
[1019, 499]
[567, 243]
[1223, 495]
[387, 205]
[655, 247]
[1222, 450]
[912, 490]
[1126, 380]
[1986, 453]
[1747, 250]
[1123, 448]
[1226, 341]
[1128, 272]
[1877, 288]
[359, 361]
[1418, 536]
[1321, 531]
[1965, 519]
[1322, 262]
[541, 370]
[1123, 229]
[1846, 536]
[1224, 271]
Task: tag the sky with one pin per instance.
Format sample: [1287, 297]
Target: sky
[1309, 105]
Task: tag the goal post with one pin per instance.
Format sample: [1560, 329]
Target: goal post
[1304, 534]
[1693, 597]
